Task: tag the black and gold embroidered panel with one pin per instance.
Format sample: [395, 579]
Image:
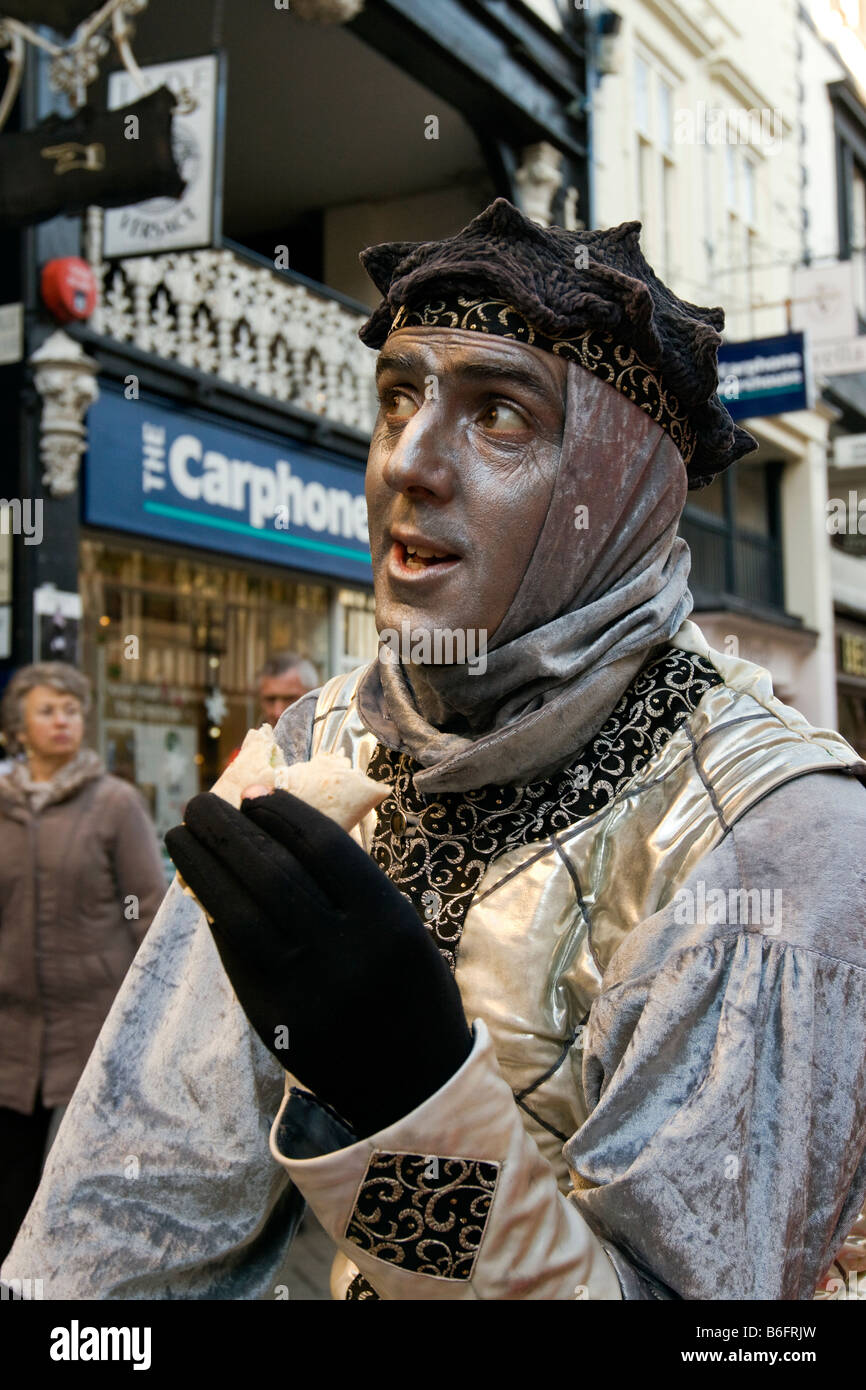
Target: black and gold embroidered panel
[424, 1213]
[436, 850]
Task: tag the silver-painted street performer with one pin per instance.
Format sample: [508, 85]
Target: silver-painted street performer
[578, 1011]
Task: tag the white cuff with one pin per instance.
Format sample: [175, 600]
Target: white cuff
[454, 1201]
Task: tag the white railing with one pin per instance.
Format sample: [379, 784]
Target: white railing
[243, 322]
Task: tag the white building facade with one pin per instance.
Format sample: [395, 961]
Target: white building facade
[833, 45]
[698, 132]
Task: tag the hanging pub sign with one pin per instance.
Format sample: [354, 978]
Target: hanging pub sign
[106, 158]
[192, 219]
[764, 376]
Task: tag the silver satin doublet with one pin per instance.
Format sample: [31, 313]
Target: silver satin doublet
[534, 946]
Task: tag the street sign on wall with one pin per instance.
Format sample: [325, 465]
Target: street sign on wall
[849, 451]
[823, 301]
[156, 470]
[764, 376]
[840, 359]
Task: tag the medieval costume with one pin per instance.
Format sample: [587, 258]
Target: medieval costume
[594, 853]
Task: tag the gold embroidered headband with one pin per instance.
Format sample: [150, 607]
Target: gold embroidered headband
[618, 365]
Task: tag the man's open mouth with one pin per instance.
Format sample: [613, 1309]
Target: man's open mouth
[417, 559]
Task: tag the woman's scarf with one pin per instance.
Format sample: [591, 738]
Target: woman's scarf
[69, 779]
[602, 588]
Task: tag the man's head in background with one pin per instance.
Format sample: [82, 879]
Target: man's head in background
[283, 679]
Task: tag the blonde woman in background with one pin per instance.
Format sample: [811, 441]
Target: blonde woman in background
[80, 880]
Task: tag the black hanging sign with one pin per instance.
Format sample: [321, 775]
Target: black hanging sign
[105, 158]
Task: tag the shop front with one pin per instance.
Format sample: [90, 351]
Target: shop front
[851, 680]
[207, 547]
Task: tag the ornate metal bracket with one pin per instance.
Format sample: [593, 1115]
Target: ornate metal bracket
[75, 65]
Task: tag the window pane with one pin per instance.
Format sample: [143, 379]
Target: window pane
[642, 96]
[749, 191]
[644, 177]
[203, 626]
[709, 211]
[858, 236]
[752, 500]
[731, 177]
[666, 115]
[734, 252]
[668, 199]
[709, 499]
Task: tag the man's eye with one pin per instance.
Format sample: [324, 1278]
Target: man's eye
[398, 405]
[503, 418]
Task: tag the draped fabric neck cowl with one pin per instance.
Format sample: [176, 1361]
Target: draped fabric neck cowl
[606, 584]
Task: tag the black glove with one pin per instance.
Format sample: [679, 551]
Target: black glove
[332, 966]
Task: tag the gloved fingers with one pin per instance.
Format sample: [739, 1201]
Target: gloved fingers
[256, 947]
[208, 879]
[263, 866]
[342, 869]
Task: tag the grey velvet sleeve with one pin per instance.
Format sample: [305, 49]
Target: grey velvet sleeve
[159, 1184]
[725, 1063]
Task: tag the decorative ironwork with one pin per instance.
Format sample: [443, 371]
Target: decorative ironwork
[245, 323]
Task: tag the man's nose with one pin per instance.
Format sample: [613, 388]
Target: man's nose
[423, 459]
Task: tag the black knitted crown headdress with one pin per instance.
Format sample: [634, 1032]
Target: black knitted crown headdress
[587, 296]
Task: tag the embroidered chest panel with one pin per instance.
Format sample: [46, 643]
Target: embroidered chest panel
[436, 850]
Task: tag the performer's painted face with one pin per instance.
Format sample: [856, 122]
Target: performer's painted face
[461, 469]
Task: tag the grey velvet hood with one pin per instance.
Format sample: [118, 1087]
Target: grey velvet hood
[594, 601]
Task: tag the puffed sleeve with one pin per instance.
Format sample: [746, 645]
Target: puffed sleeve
[725, 1060]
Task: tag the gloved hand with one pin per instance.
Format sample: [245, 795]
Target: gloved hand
[332, 966]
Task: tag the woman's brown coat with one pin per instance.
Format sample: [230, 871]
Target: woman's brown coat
[80, 880]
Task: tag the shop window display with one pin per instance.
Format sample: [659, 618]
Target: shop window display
[173, 644]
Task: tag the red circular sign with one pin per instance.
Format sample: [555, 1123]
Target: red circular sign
[69, 288]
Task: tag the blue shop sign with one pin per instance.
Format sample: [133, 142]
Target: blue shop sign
[180, 476]
[764, 376]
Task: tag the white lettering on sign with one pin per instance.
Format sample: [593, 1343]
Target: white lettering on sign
[152, 457]
[185, 450]
[267, 496]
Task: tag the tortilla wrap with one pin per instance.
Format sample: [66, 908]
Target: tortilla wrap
[328, 782]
